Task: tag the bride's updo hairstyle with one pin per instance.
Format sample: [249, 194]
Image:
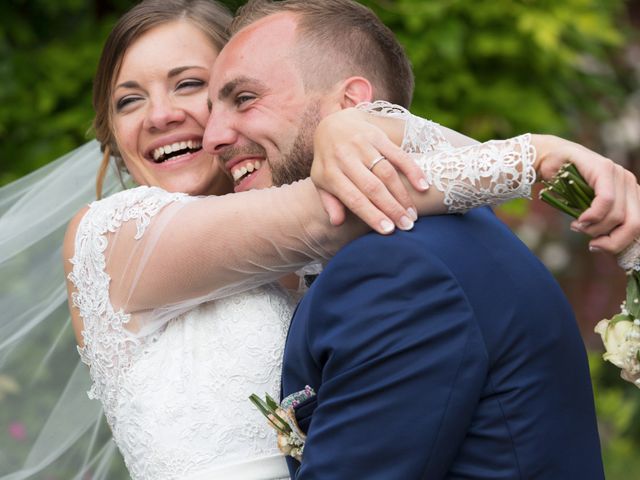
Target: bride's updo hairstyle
[210, 17]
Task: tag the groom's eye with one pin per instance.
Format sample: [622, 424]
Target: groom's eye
[243, 98]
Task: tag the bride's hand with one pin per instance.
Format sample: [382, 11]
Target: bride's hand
[613, 219]
[357, 164]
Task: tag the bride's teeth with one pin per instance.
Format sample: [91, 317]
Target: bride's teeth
[174, 147]
[250, 167]
[257, 165]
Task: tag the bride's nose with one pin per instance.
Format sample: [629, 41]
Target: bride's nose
[162, 113]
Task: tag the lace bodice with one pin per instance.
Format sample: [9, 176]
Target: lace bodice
[177, 399]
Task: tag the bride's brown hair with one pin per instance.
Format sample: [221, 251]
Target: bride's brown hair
[212, 18]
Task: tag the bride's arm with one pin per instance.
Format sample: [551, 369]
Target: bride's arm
[160, 249]
[470, 175]
[204, 248]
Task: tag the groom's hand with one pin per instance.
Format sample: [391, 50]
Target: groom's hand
[613, 220]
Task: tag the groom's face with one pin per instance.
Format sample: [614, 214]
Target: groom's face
[262, 119]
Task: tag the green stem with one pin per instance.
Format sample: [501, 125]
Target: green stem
[580, 200]
[582, 189]
[554, 202]
[577, 177]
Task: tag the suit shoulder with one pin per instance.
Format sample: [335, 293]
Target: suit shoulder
[432, 237]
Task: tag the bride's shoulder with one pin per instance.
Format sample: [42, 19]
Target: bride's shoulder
[109, 213]
[136, 196]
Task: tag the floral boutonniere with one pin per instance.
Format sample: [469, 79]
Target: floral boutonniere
[568, 192]
[282, 417]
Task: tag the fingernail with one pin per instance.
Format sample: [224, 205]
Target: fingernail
[575, 228]
[405, 223]
[413, 215]
[594, 249]
[386, 226]
[423, 184]
[583, 225]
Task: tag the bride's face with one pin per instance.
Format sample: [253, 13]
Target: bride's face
[159, 106]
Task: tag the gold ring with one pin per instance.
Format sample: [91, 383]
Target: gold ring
[375, 162]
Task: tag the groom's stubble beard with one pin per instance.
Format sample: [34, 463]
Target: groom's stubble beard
[296, 165]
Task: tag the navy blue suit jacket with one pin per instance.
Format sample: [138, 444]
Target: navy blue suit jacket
[444, 352]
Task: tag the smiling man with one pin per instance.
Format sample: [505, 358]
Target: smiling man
[430, 351]
[277, 98]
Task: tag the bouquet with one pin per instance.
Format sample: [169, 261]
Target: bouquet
[570, 193]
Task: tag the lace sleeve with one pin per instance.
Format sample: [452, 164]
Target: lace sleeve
[420, 135]
[468, 173]
[485, 174]
[163, 252]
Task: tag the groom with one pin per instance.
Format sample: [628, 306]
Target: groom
[444, 352]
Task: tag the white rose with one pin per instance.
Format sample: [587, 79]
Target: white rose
[620, 338]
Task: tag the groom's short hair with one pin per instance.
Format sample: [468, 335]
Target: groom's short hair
[339, 39]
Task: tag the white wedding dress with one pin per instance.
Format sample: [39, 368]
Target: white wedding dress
[174, 382]
[177, 399]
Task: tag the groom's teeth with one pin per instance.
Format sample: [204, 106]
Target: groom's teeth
[249, 167]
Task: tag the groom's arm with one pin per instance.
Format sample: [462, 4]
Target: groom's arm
[402, 363]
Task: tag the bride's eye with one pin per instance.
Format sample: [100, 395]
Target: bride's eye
[191, 83]
[124, 102]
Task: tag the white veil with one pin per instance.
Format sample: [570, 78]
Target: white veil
[48, 425]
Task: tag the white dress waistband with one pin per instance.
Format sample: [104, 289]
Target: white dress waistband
[264, 468]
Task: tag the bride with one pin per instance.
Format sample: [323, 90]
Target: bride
[172, 285]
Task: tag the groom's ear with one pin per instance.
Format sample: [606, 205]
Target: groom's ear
[355, 90]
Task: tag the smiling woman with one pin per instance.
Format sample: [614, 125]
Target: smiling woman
[159, 110]
[153, 74]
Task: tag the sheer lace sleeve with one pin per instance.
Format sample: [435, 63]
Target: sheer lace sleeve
[156, 254]
[468, 173]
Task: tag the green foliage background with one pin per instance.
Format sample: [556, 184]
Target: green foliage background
[489, 68]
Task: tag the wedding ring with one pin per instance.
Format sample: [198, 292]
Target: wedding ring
[375, 162]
